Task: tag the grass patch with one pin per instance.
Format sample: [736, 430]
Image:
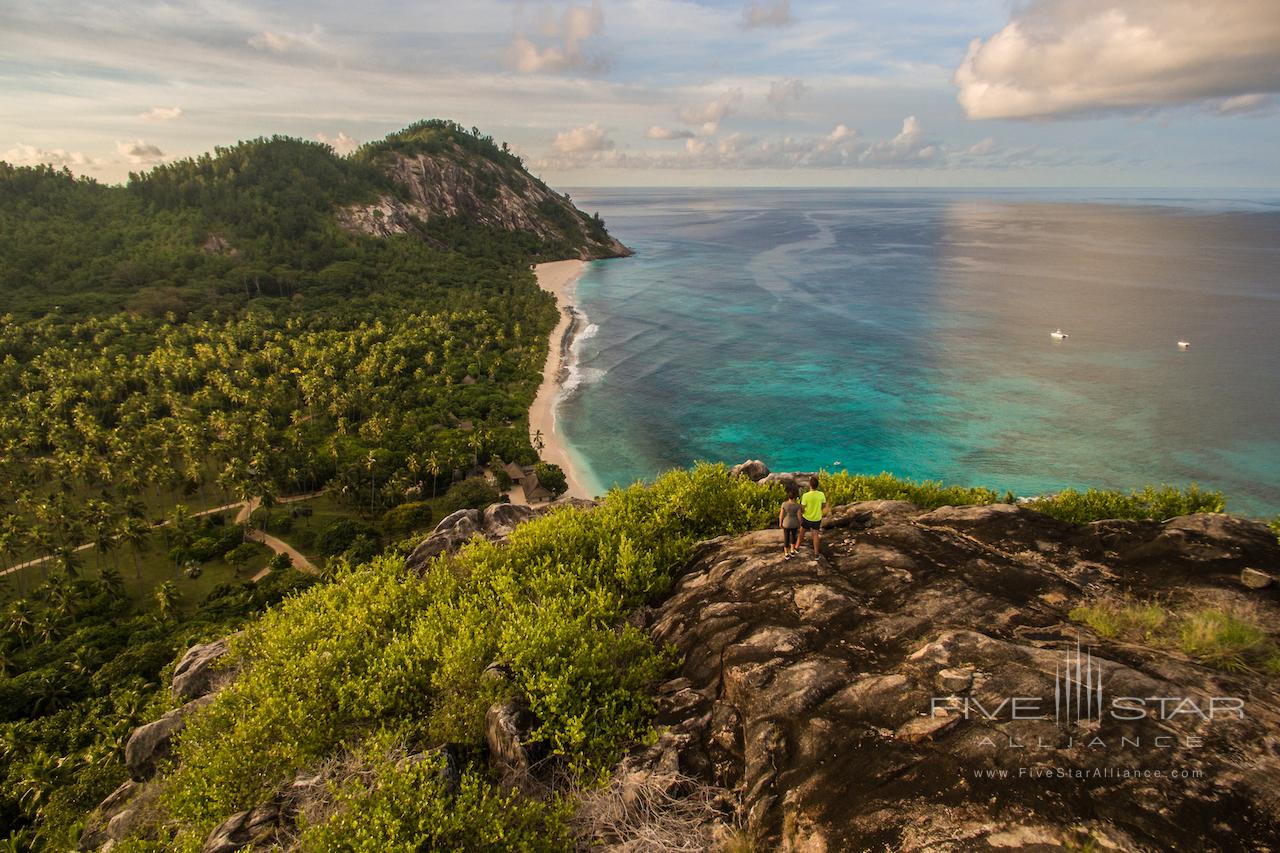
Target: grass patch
[1126, 617]
[1225, 639]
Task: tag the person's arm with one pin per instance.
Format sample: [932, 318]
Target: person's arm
[782, 513]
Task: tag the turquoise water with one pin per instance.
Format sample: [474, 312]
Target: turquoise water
[908, 331]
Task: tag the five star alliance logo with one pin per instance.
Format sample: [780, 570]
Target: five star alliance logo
[1077, 687]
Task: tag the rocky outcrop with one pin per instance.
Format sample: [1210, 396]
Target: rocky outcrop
[105, 823]
[493, 523]
[453, 184]
[196, 673]
[915, 687]
[150, 743]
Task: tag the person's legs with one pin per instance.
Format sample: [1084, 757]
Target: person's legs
[817, 539]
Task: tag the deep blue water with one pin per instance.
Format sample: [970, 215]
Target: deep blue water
[908, 331]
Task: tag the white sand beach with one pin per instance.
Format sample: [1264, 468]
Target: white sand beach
[559, 278]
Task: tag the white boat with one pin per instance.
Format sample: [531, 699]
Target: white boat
[1058, 334]
[1183, 344]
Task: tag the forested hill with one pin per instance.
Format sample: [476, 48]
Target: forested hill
[220, 334]
[282, 218]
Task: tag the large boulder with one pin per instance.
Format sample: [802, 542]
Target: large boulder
[752, 469]
[862, 700]
[102, 825]
[150, 743]
[255, 828]
[196, 673]
[494, 524]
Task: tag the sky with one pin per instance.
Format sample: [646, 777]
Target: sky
[1148, 93]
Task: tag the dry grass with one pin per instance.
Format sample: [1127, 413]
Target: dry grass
[655, 813]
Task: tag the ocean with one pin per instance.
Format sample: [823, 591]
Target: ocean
[909, 331]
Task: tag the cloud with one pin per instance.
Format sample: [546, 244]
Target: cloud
[587, 139]
[1067, 57]
[139, 152]
[782, 91]
[163, 114]
[272, 41]
[710, 114]
[341, 143]
[31, 155]
[767, 14]
[1239, 104]
[658, 132]
[563, 39]
[842, 147]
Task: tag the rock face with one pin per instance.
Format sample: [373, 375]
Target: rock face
[865, 699]
[494, 523]
[150, 743]
[195, 674]
[452, 183]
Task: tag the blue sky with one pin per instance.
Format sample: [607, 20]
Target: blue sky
[670, 92]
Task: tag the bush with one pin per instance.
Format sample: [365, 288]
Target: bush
[551, 477]
[279, 562]
[380, 648]
[337, 536]
[407, 517]
[1155, 503]
[471, 493]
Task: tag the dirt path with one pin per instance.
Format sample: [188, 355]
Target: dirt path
[244, 510]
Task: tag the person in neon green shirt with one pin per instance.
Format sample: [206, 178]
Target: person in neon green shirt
[815, 507]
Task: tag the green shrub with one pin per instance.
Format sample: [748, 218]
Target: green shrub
[407, 517]
[411, 808]
[338, 536]
[843, 487]
[1157, 503]
[381, 646]
[471, 493]
[551, 477]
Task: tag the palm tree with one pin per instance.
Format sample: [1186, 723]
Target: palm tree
[166, 596]
[137, 533]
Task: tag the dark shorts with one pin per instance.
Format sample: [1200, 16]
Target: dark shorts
[790, 535]
[811, 525]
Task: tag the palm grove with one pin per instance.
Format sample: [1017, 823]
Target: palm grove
[205, 335]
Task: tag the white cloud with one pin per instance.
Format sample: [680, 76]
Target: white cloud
[1063, 57]
[767, 14]
[563, 38]
[31, 155]
[710, 114]
[1250, 103]
[843, 147]
[273, 41]
[587, 139]
[163, 114]
[341, 143]
[139, 152]
[659, 132]
[783, 91]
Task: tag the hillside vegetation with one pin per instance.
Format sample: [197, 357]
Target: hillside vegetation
[215, 331]
[353, 677]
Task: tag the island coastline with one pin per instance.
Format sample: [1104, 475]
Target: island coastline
[560, 279]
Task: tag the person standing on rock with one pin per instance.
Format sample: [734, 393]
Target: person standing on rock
[815, 507]
[789, 521]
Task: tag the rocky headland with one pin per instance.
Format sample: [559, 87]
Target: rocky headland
[927, 682]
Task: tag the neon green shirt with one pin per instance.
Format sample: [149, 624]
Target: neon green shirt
[813, 502]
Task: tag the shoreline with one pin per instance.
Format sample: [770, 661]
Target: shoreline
[560, 279]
